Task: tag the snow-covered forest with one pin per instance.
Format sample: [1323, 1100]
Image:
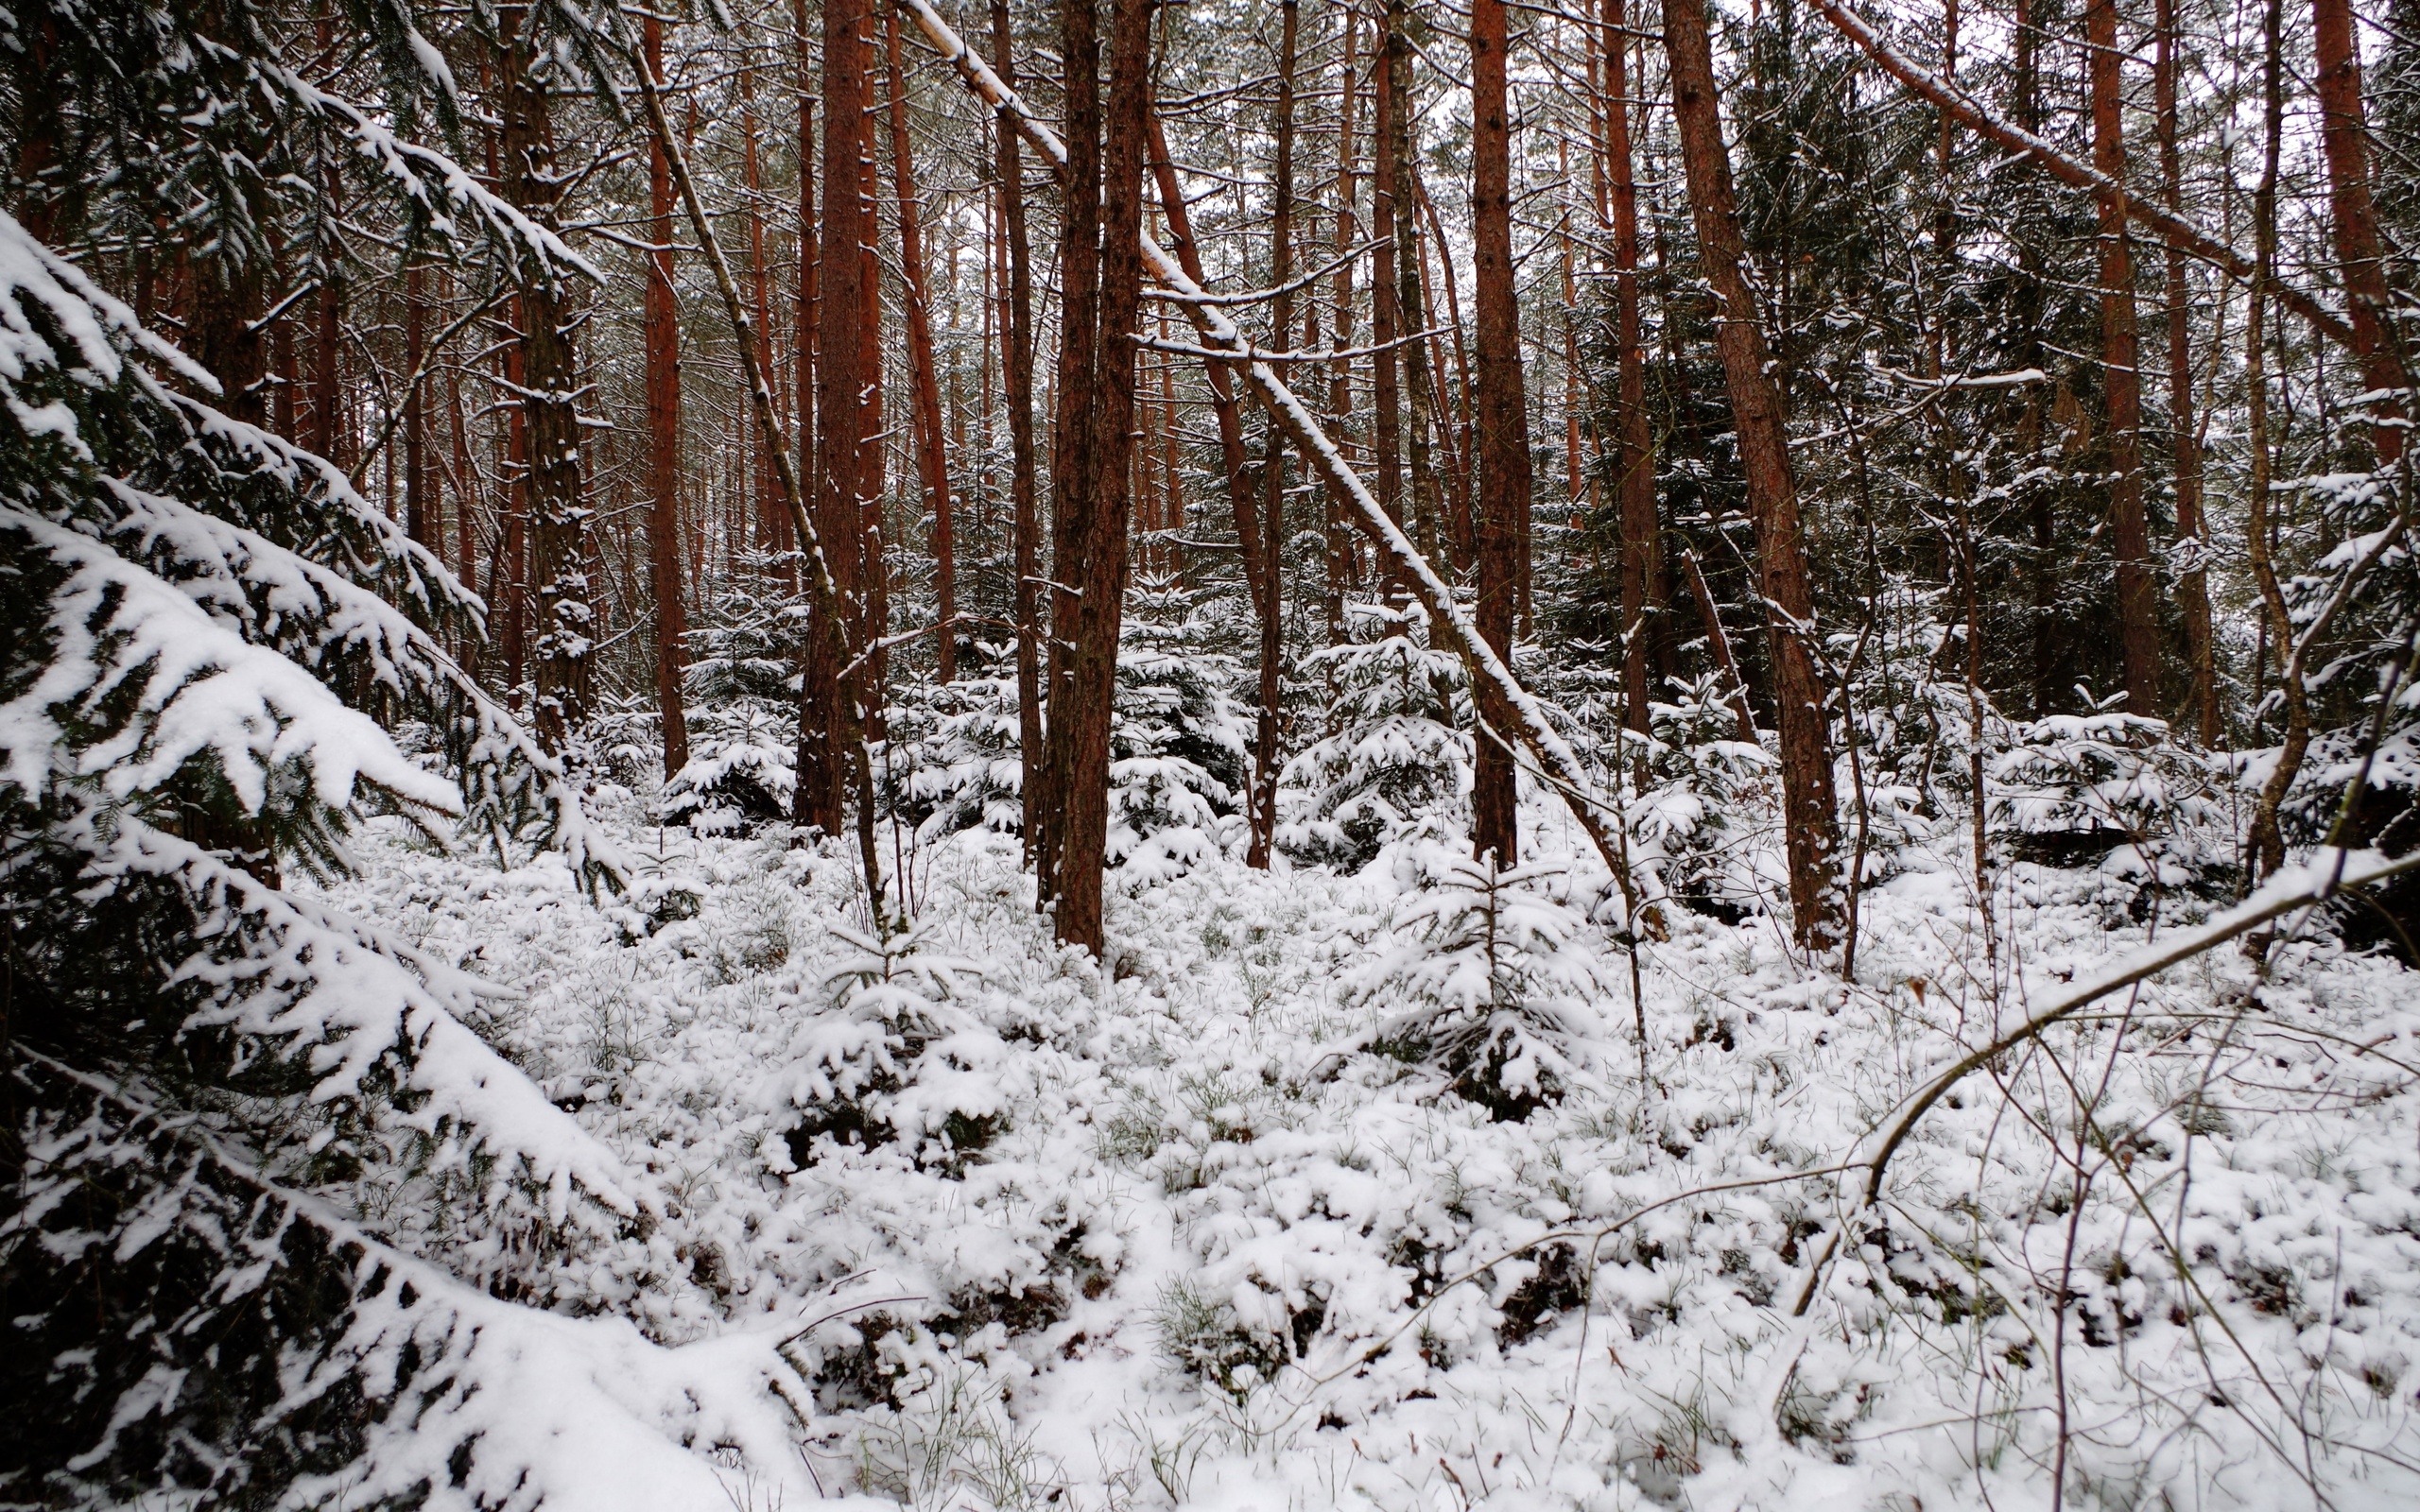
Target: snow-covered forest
[1259, 754]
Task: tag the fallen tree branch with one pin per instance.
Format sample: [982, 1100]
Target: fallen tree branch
[2329, 873]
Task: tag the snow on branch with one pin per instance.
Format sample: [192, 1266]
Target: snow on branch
[321, 1365]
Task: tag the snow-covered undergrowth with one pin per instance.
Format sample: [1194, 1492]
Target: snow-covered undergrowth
[1200, 1229]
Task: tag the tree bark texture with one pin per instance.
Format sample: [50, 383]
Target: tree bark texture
[846, 427]
[2123, 380]
[560, 655]
[1503, 428]
[663, 316]
[1809, 814]
[1081, 706]
[1634, 456]
[2345, 140]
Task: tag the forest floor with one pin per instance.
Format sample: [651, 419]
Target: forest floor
[1172, 1232]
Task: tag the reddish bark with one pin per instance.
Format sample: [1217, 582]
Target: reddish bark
[663, 439]
[1080, 722]
[931, 459]
[1241, 490]
[832, 705]
[560, 656]
[2121, 382]
[2192, 586]
[1017, 386]
[1503, 428]
[1339, 555]
[1634, 481]
[2345, 138]
[1385, 316]
[1810, 822]
[1263, 806]
[1071, 459]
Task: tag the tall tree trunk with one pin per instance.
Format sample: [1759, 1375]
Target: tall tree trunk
[466, 548]
[2344, 137]
[1503, 428]
[1635, 485]
[931, 460]
[2267, 839]
[1280, 321]
[830, 702]
[809, 259]
[1384, 313]
[1016, 327]
[2122, 382]
[2192, 534]
[419, 516]
[772, 520]
[1017, 384]
[1072, 460]
[1080, 725]
[561, 654]
[1464, 529]
[663, 439]
[1339, 553]
[1811, 824]
[1427, 501]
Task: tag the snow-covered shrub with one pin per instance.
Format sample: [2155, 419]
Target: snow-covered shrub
[895, 1057]
[1180, 742]
[742, 687]
[951, 759]
[2113, 791]
[1708, 792]
[206, 638]
[1394, 761]
[1494, 980]
[1907, 712]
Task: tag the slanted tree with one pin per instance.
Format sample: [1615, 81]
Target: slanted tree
[1809, 814]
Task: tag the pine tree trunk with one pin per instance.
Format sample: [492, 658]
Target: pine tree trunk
[2122, 383]
[1810, 820]
[513, 538]
[830, 707]
[2344, 137]
[1635, 485]
[1079, 726]
[1339, 555]
[809, 259]
[1072, 460]
[772, 520]
[1503, 428]
[419, 517]
[2192, 534]
[1428, 501]
[2267, 842]
[1263, 808]
[561, 654]
[932, 462]
[664, 440]
[1464, 529]
[1384, 313]
[1017, 386]
[227, 299]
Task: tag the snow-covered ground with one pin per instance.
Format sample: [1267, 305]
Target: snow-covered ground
[1179, 1232]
